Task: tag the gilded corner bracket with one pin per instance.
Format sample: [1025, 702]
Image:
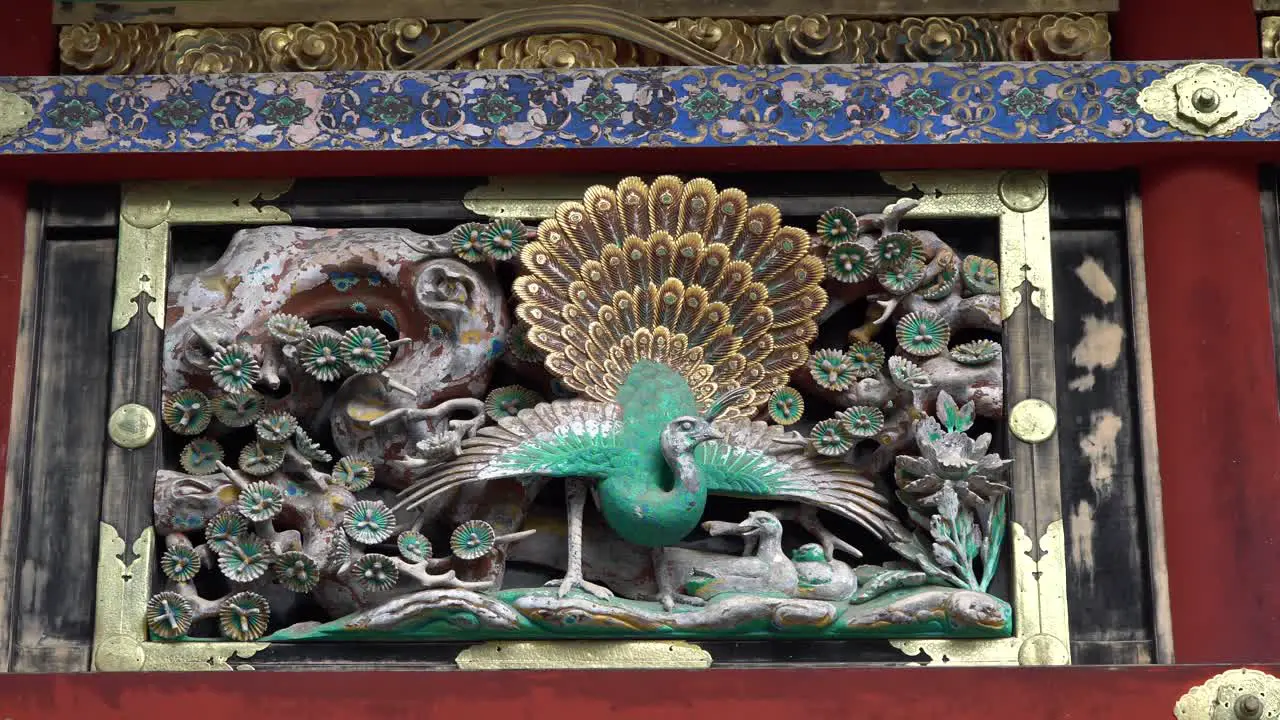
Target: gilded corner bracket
[1019, 201]
[120, 642]
[147, 213]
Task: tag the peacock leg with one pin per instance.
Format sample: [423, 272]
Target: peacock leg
[666, 592]
[575, 492]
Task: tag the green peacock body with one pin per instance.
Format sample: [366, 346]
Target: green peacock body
[676, 310]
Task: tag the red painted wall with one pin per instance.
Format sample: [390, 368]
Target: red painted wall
[1213, 359]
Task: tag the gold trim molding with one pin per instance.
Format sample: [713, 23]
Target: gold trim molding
[575, 36]
[1240, 694]
[584, 655]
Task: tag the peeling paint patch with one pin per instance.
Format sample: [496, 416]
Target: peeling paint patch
[1081, 542]
[1099, 347]
[1099, 448]
[1095, 279]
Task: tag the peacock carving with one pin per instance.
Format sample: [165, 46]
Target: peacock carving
[676, 310]
[361, 438]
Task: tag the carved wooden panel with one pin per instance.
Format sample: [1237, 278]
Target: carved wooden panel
[1096, 445]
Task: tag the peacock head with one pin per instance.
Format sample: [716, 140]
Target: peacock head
[685, 433]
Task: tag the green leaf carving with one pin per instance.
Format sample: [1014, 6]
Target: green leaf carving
[948, 413]
[994, 520]
[955, 419]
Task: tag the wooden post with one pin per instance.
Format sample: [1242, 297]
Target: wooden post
[1213, 360]
[26, 48]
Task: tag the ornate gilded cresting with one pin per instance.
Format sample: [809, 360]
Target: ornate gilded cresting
[1206, 99]
[1241, 694]
[576, 36]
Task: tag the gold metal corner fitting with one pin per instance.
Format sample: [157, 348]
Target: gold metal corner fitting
[1018, 200]
[120, 642]
[1039, 612]
[1206, 99]
[147, 213]
[585, 655]
[1240, 694]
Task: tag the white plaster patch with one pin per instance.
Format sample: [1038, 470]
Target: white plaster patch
[1096, 281]
[1081, 542]
[1099, 448]
[1099, 347]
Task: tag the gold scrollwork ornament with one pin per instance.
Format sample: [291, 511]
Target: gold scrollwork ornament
[1206, 99]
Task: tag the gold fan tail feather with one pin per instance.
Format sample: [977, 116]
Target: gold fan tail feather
[676, 272]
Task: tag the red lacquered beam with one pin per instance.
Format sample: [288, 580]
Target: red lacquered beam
[1096, 693]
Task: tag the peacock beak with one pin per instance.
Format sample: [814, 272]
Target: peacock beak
[709, 434]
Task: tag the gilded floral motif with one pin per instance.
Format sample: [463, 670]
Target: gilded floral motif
[819, 39]
[1059, 37]
[729, 38]
[112, 48]
[323, 46]
[558, 52]
[210, 51]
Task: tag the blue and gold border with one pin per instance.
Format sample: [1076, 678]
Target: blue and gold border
[856, 105]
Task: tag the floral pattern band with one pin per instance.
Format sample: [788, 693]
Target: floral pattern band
[935, 104]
